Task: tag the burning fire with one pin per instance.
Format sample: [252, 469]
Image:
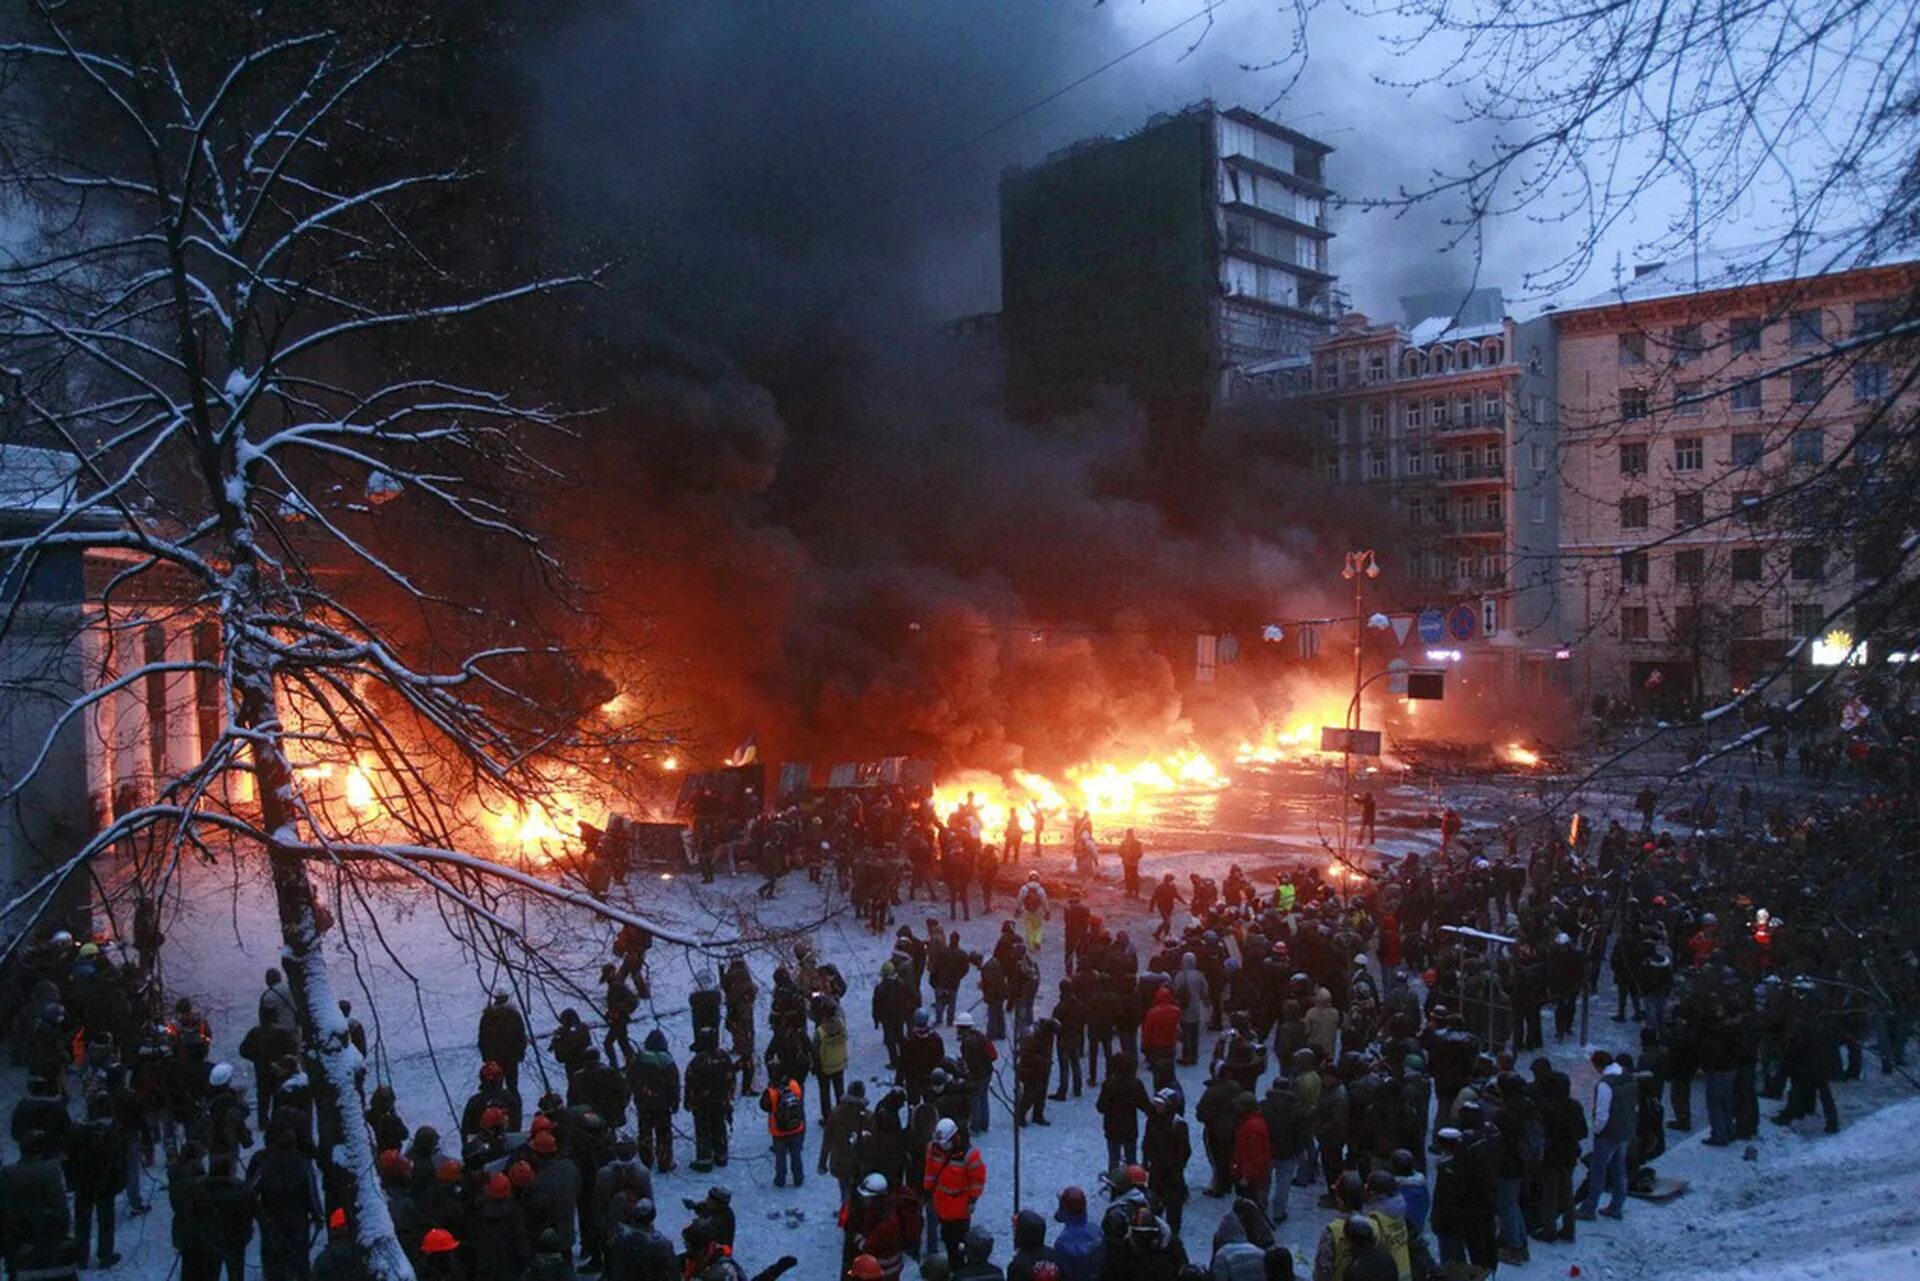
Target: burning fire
[1300, 742]
[1101, 789]
[1515, 754]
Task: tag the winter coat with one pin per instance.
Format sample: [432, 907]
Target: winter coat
[1122, 1101]
[36, 1226]
[554, 1199]
[502, 1248]
[1166, 1149]
[1191, 991]
[635, 1253]
[1160, 1029]
[845, 1124]
[1323, 1027]
[503, 1034]
[830, 1045]
[1287, 1128]
[95, 1164]
[654, 1078]
[288, 1191]
[1252, 1151]
[1079, 1249]
[953, 1182]
[1565, 1124]
[893, 1002]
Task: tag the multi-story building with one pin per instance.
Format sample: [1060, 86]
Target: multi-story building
[1448, 419]
[1159, 262]
[1711, 416]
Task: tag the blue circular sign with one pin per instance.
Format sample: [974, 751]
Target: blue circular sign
[1460, 622]
[1433, 627]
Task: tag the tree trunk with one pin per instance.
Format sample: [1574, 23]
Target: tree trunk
[333, 1064]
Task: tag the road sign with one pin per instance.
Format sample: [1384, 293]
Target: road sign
[1430, 686]
[1360, 742]
[1461, 622]
[1433, 627]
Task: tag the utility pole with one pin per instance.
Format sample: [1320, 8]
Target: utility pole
[1360, 566]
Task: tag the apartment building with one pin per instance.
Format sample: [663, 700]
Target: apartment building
[1450, 418]
[1717, 415]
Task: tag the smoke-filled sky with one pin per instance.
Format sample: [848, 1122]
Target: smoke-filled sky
[800, 161]
[835, 538]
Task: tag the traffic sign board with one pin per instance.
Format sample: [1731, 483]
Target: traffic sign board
[1460, 623]
[1433, 627]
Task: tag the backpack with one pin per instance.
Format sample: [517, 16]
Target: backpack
[1030, 898]
[790, 1113]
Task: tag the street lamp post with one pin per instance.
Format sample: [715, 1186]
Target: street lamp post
[1359, 567]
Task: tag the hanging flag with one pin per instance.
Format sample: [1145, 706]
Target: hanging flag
[1309, 641]
[1206, 654]
[1229, 649]
[1402, 624]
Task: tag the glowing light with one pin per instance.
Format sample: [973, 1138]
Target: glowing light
[617, 705]
[359, 790]
[1837, 648]
[670, 764]
[1515, 754]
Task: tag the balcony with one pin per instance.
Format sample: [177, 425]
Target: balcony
[1481, 525]
[1453, 473]
[1492, 424]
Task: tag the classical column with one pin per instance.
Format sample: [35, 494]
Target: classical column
[97, 726]
[181, 729]
[132, 730]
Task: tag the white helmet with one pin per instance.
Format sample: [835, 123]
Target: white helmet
[874, 1185]
[220, 1074]
[1033, 876]
[945, 1132]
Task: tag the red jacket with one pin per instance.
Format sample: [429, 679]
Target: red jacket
[954, 1182]
[1252, 1151]
[1160, 1030]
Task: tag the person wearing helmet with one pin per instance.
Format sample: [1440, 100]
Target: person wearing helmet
[880, 1222]
[635, 1247]
[1077, 1244]
[867, 1268]
[954, 1178]
[491, 1092]
[975, 1260]
[1034, 911]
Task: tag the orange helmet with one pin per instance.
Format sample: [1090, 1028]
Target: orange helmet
[438, 1241]
[866, 1268]
[520, 1174]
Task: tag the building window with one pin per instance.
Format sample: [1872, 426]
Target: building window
[1376, 367]
[1438, 461]
[1416, 415]
[1870, 445]
[1377, 465]
[1689, 510]
[1809, 445]
[1874, 557]
[1748, 446]
[1746, 398]
[1492, 510]
[1533, 359]
[1350, 371]
[1490, 617]
[1633, 512]
[1690, 567]
[1688, 453]
[1463, 410]
[1807, 619]
[1746, 564]
[1438, 408]
[1376, 422]
[1416, 462]
[1416, 511]
[1331, 429]
[1329, 372]
[1492, 411]
[1745, 620]
[1537, 509]
[1633, 622]
[1633, 349]
[1869, 382]
[1808, 563]
[1750, 507]
[1633, 403]
[1330, 466]
[1687, 344]
[1806, 328]
[1537, 455]
[1871, 317]
[1809, 385]
[1494, 459]
[1633, 458]
[1633, 569]
[1743, 334]
[1412, 364]
[1688, 402]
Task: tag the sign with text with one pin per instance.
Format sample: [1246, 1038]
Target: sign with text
[1359, 742]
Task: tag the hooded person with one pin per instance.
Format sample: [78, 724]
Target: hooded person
[653, 1079]
[1240, 1243]
[1194, 995]
[1033, 1259]
[1077, 1246]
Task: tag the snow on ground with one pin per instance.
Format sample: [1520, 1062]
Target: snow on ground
[1806, 1206]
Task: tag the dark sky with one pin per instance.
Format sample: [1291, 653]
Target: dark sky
[792, 163]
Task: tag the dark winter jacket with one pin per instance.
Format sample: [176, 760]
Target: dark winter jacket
[36, 1227]
[503, 1034]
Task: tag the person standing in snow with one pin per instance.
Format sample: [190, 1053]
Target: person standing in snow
[503, 1038]
[1192, 994]
[1615, 1117]
[1034, 912]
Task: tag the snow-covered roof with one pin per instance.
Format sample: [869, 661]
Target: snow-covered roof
[1435, 328]
[1794, 257]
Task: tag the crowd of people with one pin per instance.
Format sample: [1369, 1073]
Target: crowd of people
[1370, 1045]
